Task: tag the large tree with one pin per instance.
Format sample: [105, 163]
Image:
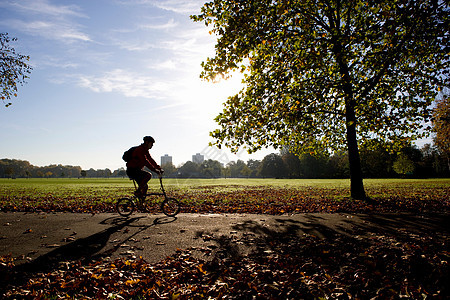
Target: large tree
[14, 69]
[273, 166]
[327, 73]
[441, 126]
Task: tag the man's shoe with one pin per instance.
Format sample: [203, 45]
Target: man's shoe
[139, 195]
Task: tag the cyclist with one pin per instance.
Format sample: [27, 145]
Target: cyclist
[140, 159]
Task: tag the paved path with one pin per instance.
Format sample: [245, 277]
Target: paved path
[59, 237]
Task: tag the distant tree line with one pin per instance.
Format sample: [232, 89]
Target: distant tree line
[13, 168]
[426, 162]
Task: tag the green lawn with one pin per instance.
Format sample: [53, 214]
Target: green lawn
[192, 182]
[227, 195]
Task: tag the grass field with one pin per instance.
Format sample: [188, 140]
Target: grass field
[273, 196]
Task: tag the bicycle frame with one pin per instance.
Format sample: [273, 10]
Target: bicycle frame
[170, 206]
[154, 193]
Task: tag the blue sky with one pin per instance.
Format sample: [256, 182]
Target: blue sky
[106, 73]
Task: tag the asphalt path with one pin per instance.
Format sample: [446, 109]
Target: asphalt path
[49, 238]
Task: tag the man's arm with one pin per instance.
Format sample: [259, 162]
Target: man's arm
[151, 163]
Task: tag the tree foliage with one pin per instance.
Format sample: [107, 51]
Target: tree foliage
[273, 166]
[327, 74]
[403, 165]
[441, 124]
[212, 168]
[14, 69]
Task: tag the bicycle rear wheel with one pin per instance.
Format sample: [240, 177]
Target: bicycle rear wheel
[125, 206]
[170, 207]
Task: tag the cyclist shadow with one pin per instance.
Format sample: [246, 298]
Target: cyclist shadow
[156, 221]
[92, 247]
[141, 228]
[84, 250]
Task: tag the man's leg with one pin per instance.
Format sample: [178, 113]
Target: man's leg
[143, 182]
[141, 178]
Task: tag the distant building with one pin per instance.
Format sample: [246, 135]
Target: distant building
[166, 160]
[198, 158]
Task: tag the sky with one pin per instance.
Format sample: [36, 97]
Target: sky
[105, 74]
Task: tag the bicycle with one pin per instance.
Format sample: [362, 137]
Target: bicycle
[169, 206]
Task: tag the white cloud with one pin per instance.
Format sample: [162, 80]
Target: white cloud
[56, 62]
[121, 36]
[127, 83]
[190, 48]
[169, 64]
[138, 46]
[177, 6]
[40, 18]
[63, 32]
[170, 24]
[75, 36]
[43, 7]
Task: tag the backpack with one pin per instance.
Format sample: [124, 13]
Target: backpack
[127, 155]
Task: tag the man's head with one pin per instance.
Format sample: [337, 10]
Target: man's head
[149, 141]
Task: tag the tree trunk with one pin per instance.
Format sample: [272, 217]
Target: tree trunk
[356, 178]
[448, 161]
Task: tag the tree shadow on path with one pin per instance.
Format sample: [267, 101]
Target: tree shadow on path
[367, 255]
[84, 250]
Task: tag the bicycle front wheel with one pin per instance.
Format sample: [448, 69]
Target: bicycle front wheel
[125, 206]
[170, 207]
